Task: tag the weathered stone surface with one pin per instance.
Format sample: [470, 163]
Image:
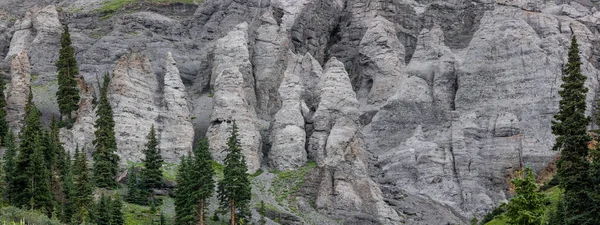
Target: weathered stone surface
[231, 105]
[288, 140]
[82, 132]
[39, 34]
[176, 133]
[337, 146]
[230, 52]
[132, 93]
[18, 91]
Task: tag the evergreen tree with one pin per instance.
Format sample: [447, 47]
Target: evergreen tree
[136, 193]
[151, 173]
[30, 142]
[67, 94]
[9, 167]
[105, 159]
[103, 211]
[68, 190]
[82, 199]
[527, 206]
[234, 191]
[3, 186]
[203, 185]
[116, 211]
[4, 129]
[40, 180]
[184, 204]
[569, 126]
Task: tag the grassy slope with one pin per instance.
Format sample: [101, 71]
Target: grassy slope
[552, 193]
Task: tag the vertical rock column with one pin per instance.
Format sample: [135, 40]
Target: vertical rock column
[234, 98]
[176, 131]
[18, 92]
[337, 145]
[132, 93]
[82, 132]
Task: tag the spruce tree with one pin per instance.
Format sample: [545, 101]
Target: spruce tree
[25, 166]
[68, 190]
[184, 204]
[151, 173]
[105, 160]
[527, 206]
[569, 127]
[136, 193]
[9, 167]
[103, 211]
[116, 215]
[4, 129]
[82, 199]
[203, 185]
[67, 94]
[3, 187]
[40, 180]
[234, 191]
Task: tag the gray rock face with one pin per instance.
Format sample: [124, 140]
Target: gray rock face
[337, 146]
[132, 92]
[39, 34]
[83, 128]
[176, 132]
[425, 110]
[18, 92]
[234, 98]
[288, 149]
[138, 102]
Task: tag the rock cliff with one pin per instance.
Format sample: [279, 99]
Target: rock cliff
[415, 111]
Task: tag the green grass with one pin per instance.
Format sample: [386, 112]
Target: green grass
[552, 193]
[288, 183]
[112, 6]
[169, 170]
[142, 215]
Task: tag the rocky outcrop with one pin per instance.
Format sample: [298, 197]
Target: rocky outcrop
[132, 93]
[176, 133]
[18, 92]
[288, 139]
[231, 105]
[83, 128]
[337, 145]
[39, 34]
[138, 101]
[234, 99]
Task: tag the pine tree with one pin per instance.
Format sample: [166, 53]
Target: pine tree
[117, 211]
[569, 126]
[184, 204]
[3, 186]
[203, 185]
[136, 193]
[82, 200]
[151, 173]
[103, 211]
[67, 94]
[234, 191]
[25, 167]
[68, 190]
[527, 206]
[9, 167]
[105, 159]
[4, 129]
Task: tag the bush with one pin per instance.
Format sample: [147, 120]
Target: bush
[12, 215]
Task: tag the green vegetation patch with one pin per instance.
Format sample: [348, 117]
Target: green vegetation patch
[143, 215]
[287, 183]
[112, 6]
[552, 193]
[13, 215]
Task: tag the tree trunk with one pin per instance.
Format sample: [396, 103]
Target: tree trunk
[232, 212]
[201, 213]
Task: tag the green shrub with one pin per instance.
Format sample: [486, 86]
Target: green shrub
[12, 215]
